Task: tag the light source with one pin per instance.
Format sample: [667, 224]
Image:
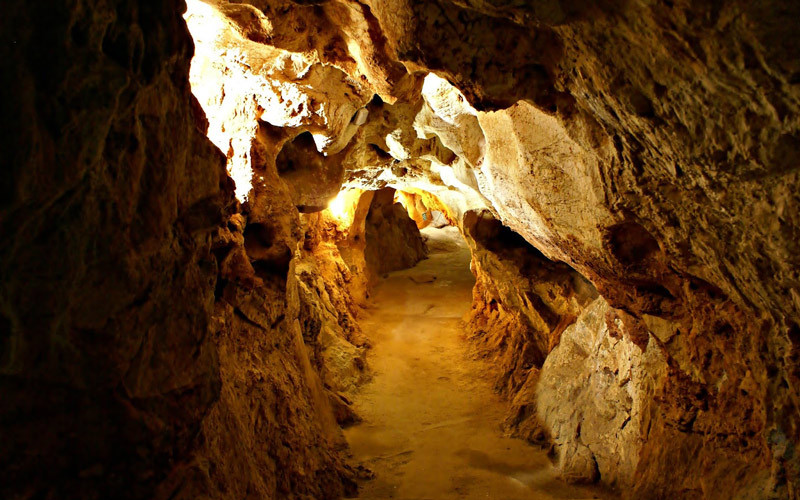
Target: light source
[342, 207]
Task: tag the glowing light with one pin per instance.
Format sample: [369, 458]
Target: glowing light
[338, 206]
[342, 208]
[204, 22]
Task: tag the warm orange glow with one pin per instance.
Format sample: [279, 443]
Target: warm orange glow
[404, 199]
[422, 206]
[342, 208]
[338, 206]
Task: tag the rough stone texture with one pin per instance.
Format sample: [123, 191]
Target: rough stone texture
[149, 348]
[651, 146]
[274, 431]
[324, 281]
[392, 238]
[522, 302]
[594, 393]
[111, 192]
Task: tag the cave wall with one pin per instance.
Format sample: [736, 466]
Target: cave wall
[328, 288]
[392, 238]
[594, 397]
[152, 342]
[274, 431]
[111, 193]
[522, 302]
[650, 146]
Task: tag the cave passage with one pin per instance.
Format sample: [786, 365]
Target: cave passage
[213, 284]
[430, 424]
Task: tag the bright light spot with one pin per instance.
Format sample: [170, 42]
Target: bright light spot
[338, 206]
[343, 207]
[242, 174]
[204, 22]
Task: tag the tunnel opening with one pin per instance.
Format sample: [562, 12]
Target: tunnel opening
[429, 334]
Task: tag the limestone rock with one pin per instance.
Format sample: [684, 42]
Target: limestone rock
[650, 147]
[522, 301]
[594, 395]
[392, 238]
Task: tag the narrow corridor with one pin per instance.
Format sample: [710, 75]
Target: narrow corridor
[431, 426]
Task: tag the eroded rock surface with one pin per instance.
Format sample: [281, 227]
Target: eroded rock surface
[595, 397]
[651, 148]
[111, 194]
[522, 302]
[392, 238]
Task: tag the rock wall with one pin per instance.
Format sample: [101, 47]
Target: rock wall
[522, 302]
[392, 238]
[330, 311]
[111, 193]
[169, 361]
[274, 432]
[651, 147]
[595, 397]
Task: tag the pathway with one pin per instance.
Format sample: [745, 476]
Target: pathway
[431, 421]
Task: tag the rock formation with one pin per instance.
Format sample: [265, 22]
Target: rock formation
[392, 239]
[625, 173]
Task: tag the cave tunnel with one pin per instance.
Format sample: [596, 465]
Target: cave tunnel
[285, 249]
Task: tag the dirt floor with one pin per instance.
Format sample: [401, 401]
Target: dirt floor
[431, 421]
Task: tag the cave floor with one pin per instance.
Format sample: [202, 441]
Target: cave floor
[431, 426]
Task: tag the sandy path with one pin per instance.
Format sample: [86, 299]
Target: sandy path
[431, 426]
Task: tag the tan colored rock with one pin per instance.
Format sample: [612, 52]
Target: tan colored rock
[650, 146]
[392, 238]
[595, 395]
[522, 302]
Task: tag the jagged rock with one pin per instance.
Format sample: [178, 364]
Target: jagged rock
[392, 238]
[594, 395]
[650, 147]
[522, 301]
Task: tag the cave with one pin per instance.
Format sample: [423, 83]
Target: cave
[289, 249]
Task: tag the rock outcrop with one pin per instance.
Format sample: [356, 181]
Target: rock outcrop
[522, 302]
[595, 395]
[392, 238]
